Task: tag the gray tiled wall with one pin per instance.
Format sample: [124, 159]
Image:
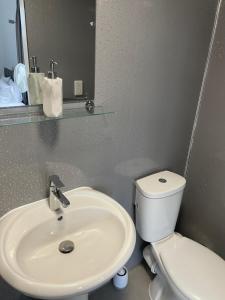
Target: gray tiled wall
[202, 215]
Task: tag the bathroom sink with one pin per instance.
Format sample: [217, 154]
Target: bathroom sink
[51, 255]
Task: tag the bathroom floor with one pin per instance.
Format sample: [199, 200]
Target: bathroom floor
[137, 288]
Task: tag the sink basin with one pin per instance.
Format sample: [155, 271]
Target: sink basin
[51, 255]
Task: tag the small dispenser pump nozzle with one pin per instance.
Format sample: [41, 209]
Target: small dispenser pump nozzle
[34, 68]
[52, 74]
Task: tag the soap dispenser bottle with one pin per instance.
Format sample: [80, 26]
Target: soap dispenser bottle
[52, 93]
[35, 80]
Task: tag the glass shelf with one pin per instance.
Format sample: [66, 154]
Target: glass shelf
[10, 119]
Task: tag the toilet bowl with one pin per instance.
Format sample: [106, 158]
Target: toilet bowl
[183, 268]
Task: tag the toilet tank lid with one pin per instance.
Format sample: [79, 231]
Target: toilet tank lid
[161, 184]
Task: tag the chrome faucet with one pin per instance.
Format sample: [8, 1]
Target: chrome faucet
[56, 197]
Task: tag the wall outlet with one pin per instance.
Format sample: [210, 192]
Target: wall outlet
[78, 88]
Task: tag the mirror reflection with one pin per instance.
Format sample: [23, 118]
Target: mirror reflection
[41, 39]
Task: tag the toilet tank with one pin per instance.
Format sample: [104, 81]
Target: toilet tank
[158, 200]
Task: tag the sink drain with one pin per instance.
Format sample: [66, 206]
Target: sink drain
[66, 247]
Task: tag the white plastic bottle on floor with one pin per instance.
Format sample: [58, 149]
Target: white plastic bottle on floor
[120, 280]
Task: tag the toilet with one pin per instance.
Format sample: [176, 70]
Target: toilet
[183, 268]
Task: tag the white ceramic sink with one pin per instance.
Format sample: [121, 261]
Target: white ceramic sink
[101, 230]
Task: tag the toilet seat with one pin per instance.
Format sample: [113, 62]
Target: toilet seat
[196, 271]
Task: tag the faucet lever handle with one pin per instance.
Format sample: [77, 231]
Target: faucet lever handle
[55, 180]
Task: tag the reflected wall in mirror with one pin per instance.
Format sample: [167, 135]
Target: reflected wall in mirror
[45, 30]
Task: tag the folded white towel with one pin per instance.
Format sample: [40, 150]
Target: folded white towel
[9, 93]
[52, 96]
[20, 77]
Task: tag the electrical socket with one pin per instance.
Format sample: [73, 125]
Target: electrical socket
[78, 87]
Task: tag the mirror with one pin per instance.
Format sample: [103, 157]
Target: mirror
[34, 32]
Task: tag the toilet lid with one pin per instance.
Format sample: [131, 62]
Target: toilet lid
[195, 270]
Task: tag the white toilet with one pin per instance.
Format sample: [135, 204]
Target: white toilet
[184, 269]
